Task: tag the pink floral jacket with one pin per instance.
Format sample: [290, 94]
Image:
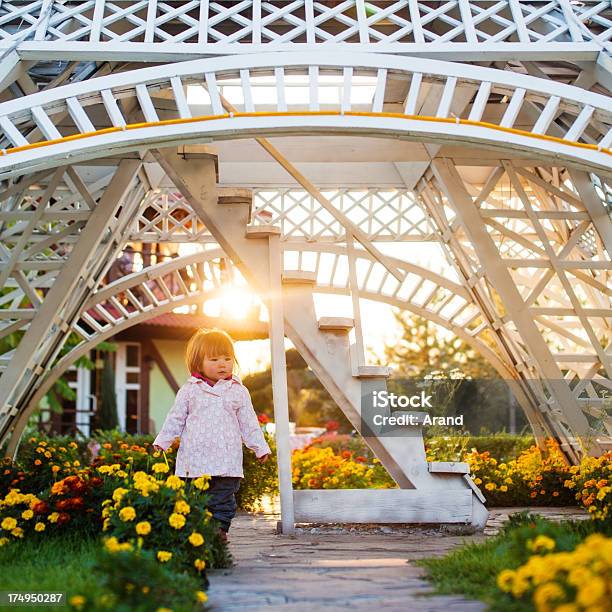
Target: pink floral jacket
[212, 423]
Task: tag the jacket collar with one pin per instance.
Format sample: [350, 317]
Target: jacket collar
[200, 379]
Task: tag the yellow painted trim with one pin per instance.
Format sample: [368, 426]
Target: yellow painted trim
[202, 118]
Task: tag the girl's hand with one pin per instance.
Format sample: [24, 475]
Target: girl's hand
[263, 458]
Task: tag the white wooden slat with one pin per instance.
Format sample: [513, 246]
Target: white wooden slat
[383, 506]
[45, 14]
[79, 116]
[150, 27]
[179, 98]
[468, 21]
[413, 94]
[256, 21]
[245, 81]
[96, 26]
[572, 26]
[519, 21]
[607, 140]
[346, 88]
[203, 23]
[213, 92]
[279, 77]
[12, 133]
[309, 16]
[364, 36]
[313, 80]
[379, 94]
[447, 97]
[144, 99]
[417, 28]
[45, 124]
[513, 109]
[112, 108]
[580, 124]
[546, 117]
[480, 101]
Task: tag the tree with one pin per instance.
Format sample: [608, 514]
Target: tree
[106, 415]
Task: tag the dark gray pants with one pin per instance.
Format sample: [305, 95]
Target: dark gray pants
[222, 498]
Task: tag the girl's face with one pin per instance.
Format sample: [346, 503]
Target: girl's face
[218, 367]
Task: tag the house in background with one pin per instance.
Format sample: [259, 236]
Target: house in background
[148, 363]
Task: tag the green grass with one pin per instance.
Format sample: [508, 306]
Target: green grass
[57, 564]
[472, 571]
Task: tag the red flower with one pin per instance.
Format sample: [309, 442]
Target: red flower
[95, 481]
[346, 454]
[40, 507]
[64, 504]
[332, 426]
[63, 518]
[361, 459]
[263, 418]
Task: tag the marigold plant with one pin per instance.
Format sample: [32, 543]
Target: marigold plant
[592, 483]
[167, 516]
[580, 580]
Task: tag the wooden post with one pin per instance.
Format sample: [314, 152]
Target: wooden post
[279, 385]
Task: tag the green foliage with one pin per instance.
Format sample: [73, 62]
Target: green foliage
[260, 479]
[136, 582]
[106, 415]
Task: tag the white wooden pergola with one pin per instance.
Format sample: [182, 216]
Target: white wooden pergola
[298, 139]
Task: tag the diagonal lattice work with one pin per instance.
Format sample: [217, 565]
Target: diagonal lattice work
[565, 122]
[389, 26]
[556, 288]
[386, 215]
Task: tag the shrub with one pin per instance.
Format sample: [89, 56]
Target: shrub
[259, 478]
[134, 581]
[166, 516]
[551, 580]
[321, 468]
[592, 483]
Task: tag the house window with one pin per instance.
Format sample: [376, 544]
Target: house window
[127, 386]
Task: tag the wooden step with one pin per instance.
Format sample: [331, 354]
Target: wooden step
[373, 372]
[299, 277]
[448, 467]
[336, 323]
[236, 195]
[262, 231]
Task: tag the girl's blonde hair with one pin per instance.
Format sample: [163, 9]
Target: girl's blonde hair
[208, 343]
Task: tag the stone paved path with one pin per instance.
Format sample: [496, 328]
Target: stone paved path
[335, 568]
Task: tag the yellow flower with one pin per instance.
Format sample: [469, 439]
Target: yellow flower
[145, 589]
[503, 488]
[27, 515]
[546, 594]
[199, 564]
[201, 596]
[182, 507]
[76, 463]
[127, 514]
[113, 545]
[160, 468]
[52, 518]
[201, 483]
[17, 532]
[176, 520]
[541, 543]
[73, 445]
[55, 468]
[196, 539]
[591, 592]
[118, 494]
[39, 526]
[163, 556]
[490, 486]
[174, 482]
[106, 524]
[143, 528]
[3, 541]
[77, 601]
[477, 481]
[505, 579]
[9, 523]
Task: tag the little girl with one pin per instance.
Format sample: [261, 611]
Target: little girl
[213, 415]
